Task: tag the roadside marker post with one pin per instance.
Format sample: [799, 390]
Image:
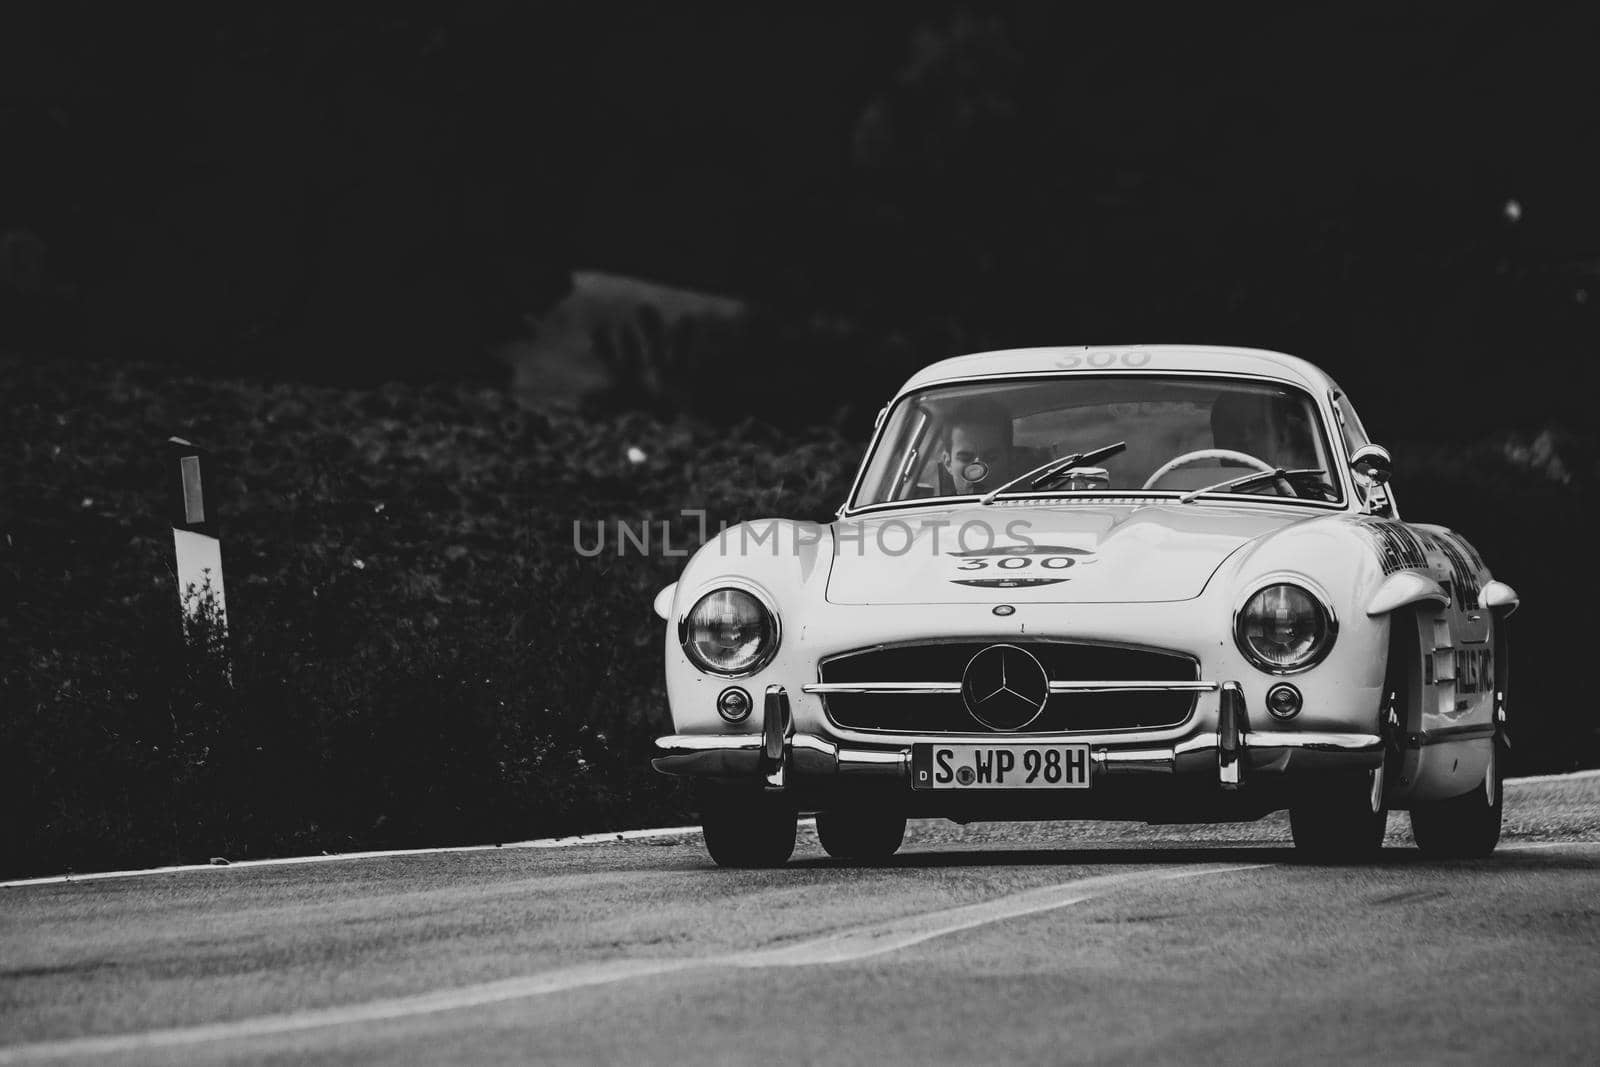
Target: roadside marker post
[197, 550]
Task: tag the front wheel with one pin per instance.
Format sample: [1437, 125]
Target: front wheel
[856, 835]
[1343, 823]
[745, 828]
[1464, 827]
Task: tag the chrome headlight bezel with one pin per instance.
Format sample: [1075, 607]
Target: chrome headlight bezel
[768, 648]
[1318, 652]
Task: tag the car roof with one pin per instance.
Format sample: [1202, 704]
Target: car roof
[1104, 359]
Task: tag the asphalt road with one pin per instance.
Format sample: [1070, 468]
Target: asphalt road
[1021, 942]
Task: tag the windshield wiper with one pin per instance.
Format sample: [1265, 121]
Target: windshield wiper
[1045, 473]
[1277, 474]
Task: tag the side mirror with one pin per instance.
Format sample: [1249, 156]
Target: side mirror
[1373, 463]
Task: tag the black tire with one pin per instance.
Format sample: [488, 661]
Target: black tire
[745, 829]
[1467, 826]
[863, 836]
[1338, 825]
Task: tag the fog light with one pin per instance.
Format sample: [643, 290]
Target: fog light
[1283, 701]
[733, 704]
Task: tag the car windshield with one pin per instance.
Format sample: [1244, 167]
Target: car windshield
[1182, 433]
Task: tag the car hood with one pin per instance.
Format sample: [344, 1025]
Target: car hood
[1079, 553]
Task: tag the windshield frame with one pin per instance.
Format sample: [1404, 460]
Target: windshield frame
[1317, 398]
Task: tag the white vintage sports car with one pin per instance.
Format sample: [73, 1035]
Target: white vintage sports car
[1163, 583]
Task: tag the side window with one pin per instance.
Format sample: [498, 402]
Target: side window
[1355, 435]
[915, 447]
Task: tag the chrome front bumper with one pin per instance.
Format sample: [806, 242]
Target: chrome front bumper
[1231, 752]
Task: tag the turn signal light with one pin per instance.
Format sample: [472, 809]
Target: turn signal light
[734, 704]
[1283, 701]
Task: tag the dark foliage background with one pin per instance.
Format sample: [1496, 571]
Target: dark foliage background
[239, 225]
[417, 652]
[350, 192]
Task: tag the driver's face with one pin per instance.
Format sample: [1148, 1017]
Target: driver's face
[977, 450]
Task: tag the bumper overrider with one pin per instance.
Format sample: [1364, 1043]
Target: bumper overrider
[1222, 747]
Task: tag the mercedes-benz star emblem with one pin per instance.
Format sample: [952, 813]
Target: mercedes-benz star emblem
[1005, 687]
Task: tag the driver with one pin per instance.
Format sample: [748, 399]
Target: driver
[1270, 428]
[979, 454]
[1274, 430]
[1239, 424]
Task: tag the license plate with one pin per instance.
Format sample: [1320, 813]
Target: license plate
[1000, 766]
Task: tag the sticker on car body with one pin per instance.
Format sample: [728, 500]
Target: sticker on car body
[1018, 566]
[1397, 547]
[1464, 574]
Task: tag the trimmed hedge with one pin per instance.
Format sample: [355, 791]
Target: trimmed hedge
[418, 654]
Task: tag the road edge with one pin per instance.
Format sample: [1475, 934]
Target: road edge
[611, 838]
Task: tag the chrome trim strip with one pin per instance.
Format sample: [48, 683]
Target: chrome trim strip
[813, 743]
[938, 688]
[1133, 687]
[810, 755]
[1443, 734]
[1017, 639]
[867, 761]
[914, 688]
[1197, 743]
[1137, 735]
[1233, 727]
[1315, 739]
[1122, 761]
[709, 743]
[777, 726]
[1340, 742]
[775, 723]
[1107, 496]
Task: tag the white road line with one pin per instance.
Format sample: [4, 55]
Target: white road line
[547, 842]
[895, 934]
[847, 946]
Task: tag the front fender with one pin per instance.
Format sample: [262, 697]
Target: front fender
[1331, 559]
[785, 561]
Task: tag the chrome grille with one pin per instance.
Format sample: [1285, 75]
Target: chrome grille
[939, 665]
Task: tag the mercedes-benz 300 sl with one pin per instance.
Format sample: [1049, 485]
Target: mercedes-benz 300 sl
[1159, 583]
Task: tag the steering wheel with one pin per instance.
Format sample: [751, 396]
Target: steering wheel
[1206, 453]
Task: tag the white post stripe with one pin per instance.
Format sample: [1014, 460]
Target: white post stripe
[194, 507]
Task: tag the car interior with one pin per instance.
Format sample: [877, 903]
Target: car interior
[1159, 421]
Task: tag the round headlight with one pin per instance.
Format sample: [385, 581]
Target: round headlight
[730, 631]
[1284, 628]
